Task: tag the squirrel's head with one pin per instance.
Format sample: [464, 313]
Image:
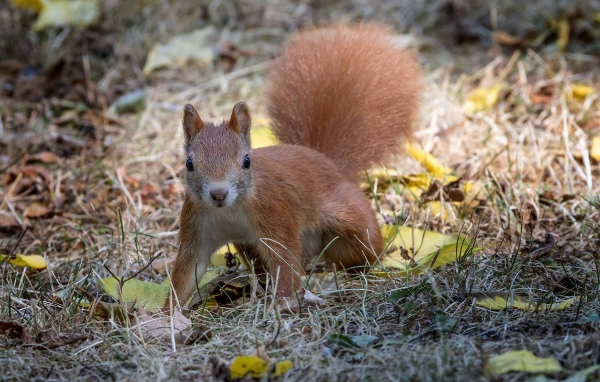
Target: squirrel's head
[218, 157]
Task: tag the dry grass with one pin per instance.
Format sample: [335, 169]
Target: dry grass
[115, 201]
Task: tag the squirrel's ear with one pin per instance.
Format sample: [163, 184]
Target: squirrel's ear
[192, 124]
[240, 119]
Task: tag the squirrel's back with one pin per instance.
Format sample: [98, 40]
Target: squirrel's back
[347, 91]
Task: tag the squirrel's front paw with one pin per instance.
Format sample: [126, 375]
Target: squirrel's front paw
[302, 300]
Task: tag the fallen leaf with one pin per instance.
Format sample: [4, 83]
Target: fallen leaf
[582, 376]
[482, 98]
[521, 360]
[81, 13]
[182, 50]
[507, 39]
[37, 210]
[248, 366]
[13, 329]
[426, 160]
[131, 102]
[150, 295]
[159, 326]
[301, 301]
[44, 157]
[282, 368]
[426, 249]
[595, 149]
[255, 367]
[597, 17]
[31, 261]
[8, 222]
[46, 340]
[36, 5]
[500, 301]
[580, 91]
[538, 98]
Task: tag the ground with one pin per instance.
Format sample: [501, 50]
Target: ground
[104, 195]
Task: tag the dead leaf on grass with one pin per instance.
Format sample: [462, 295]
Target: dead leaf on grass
[301, 301]
[255, 367]
[580, 91]
[521, 360]
[37, 210]
[182, 50]
[177, 327]
[504, 38]
[425, 249]
[14, 330]
[81, 13]
[44, 340]
[595, 149]
[482, 98]
[8, 222]
[500, 301]
[31, 261]
[44, 157]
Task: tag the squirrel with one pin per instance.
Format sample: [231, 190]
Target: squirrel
[341, 98]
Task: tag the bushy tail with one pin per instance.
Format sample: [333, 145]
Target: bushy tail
[347, 91]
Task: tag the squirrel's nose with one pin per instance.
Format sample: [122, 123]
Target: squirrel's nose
[218, 194]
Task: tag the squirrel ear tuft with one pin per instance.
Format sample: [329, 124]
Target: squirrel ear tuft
[192, 124]
[240, 119]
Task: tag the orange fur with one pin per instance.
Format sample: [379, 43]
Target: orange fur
[347, 91]
[342, 98]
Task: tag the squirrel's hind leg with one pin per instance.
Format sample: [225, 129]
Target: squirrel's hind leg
[353, 236]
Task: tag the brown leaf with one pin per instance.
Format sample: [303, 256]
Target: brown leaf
[37, 210]
[37, 174]
[159, 326]
[46, 340]
[44, 157]
[14, 330]
[8, 222]
[538, 98]
[18, 187]
[507, 39]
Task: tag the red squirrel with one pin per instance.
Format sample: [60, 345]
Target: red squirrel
[341, 98]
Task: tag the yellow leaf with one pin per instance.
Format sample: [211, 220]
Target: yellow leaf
[248, 366]
[563, 30]
[499, 301]
[482, 98]
[32, 261]
[67, 12]
[427, 160]
[181, 50]
[152, 296]
[424, 247]
[595, 150]
[282, 368]
[580, 91]
[521, 360]
[597, 17]
[256, 367]
[28, 4]
[262, 137]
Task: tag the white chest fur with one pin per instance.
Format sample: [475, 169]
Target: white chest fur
[224, 225]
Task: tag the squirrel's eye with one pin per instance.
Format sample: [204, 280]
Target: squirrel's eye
[246, 161]
[189, 164]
